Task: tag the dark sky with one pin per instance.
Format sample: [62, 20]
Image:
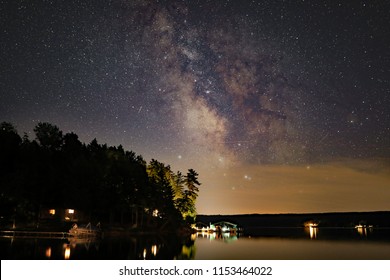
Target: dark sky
[249, 93]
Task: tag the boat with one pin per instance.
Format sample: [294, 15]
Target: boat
[85, 231]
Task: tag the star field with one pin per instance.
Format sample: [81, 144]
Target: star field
[219, 86]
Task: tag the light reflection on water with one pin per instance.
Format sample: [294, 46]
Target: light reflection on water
[364, 230]
[313, 231]
[67, 252]
[280, 248]
[48, 252]
[265, 243]
[225, 236]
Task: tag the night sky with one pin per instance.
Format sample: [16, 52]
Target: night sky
[280, 106]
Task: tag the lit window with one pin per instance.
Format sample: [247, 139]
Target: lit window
[52, 211]
[70, 211]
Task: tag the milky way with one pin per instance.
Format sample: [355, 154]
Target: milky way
[210, 85]
[236, 95]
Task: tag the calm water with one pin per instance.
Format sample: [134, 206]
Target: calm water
[281, 243]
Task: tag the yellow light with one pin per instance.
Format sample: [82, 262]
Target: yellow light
[48, 252]
[144, 254]
[313, 232]
[67, 252]
[70, 211]
[361, 230]
[154, 250]
[52, 211]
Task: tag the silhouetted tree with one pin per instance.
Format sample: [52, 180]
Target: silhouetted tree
[192, 183]
[9, 148]
[190, 195]
[49, 136]
[107, 182]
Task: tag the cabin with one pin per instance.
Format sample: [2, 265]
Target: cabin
[62, 214]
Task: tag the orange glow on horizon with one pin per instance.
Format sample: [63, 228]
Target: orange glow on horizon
[345, 186]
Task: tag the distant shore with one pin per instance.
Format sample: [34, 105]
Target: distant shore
[336, 219]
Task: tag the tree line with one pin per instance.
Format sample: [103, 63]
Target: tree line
[108, 183]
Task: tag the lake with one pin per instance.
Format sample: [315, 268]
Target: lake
[258, 243]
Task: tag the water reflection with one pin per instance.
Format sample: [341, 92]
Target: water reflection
[123, 247]
[144, 254]
[150, 253]
[67, 252]
[188, 252]
[363, 230]
[313, 231]
[224, 236]
[48, 252]
[154, 250]
[295, 243]
[267, 243]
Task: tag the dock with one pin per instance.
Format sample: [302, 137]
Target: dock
[34, 234]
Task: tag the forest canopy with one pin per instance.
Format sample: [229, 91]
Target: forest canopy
[110, 184]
